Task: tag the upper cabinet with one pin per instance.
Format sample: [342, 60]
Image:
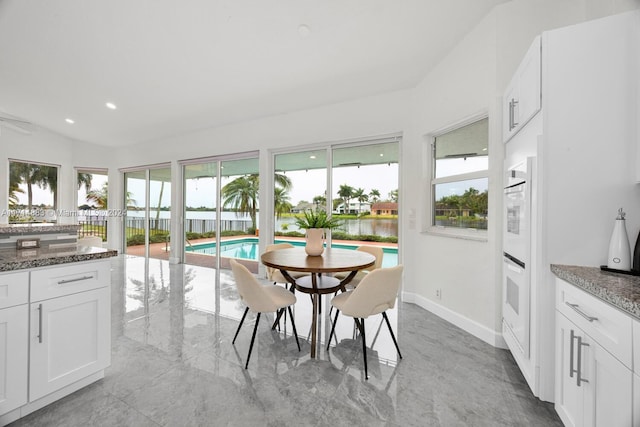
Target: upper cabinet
[522, 98]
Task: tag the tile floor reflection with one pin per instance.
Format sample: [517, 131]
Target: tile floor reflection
[173, 364]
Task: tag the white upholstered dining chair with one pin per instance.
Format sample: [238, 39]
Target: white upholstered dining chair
[273, 274]
[376, 251]
[376, 293]
[260, 299]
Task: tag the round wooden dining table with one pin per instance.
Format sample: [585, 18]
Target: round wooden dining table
[319, 281]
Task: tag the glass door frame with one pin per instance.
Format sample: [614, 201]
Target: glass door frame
[220, 160]
[147, 188]
[329, 146]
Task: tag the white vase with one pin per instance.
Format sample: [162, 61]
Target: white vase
[619, 250]
[315, 241]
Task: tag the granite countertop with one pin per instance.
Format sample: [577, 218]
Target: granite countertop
[620, 290]
[19, 259]
[37, 228]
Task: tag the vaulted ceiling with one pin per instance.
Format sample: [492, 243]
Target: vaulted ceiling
[173, 66]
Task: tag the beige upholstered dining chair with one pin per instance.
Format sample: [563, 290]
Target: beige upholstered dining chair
[376, 251]
[273, 274]
[376, 293]
[260, 299]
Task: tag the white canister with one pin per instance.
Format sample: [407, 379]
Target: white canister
[619, 248]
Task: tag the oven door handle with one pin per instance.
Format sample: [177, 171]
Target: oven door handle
[513, 263]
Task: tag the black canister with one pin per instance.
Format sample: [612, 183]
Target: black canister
[636, 256]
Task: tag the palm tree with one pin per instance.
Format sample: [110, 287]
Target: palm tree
[241, 195]
[281, 201]
[84, 179]
[14, 185]
[49, 178]
[101, 197]
[393, 195]
[375, 195]
[282, 180]
[319, 201]
[361, 197]
[346, 193]
[30, 174]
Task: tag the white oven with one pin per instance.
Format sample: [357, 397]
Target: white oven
[516, 256]
[517, 201]
[515, 307]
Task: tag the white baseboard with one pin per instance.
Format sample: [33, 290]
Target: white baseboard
[487, 335]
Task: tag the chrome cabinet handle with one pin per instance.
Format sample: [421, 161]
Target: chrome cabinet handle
[510, 115]
[514, 102]
[571, 370]
[580, 312]
[40, 323]
[77, 279]
[579, 378]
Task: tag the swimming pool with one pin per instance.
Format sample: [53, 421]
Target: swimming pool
[248, 249]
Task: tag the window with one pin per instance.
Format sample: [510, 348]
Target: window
[460, 179]
[93, 193]
[33, 192]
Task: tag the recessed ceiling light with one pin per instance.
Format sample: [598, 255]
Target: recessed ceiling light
[111, 105]
[381, 154]
[312, 157]
[304, 30]
[70, 121]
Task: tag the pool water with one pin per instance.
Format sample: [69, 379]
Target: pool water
[248, 249]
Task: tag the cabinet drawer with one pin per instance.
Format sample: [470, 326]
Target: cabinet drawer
[605, 324]
[14, 289]
[69, 279]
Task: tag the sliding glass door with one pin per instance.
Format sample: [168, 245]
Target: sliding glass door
[148, 221]
[363, 182]
[300, 184]
[365, 191]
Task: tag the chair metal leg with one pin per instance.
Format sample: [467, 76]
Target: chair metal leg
[293, 325]
[246, 310]
[253, 338]
[384, 314]
[276, 322]
[333, 328]
[364, 347]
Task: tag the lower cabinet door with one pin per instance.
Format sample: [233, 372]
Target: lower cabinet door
[569, 399]
[608, 391]
[70, 339]
[14, 348]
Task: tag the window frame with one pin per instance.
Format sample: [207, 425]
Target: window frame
[46, 213]
[431, 182]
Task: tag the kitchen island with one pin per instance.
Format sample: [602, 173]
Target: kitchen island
[54, 316]
[597, 379]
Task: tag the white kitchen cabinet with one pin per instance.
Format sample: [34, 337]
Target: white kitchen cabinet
[13, 357]
[522, 97]
[586, 76]
[593, 387]
[70, 339]
[58, 339]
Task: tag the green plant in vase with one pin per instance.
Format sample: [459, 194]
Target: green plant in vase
[316, 222]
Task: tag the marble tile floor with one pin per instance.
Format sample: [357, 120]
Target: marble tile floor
[173, 364]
